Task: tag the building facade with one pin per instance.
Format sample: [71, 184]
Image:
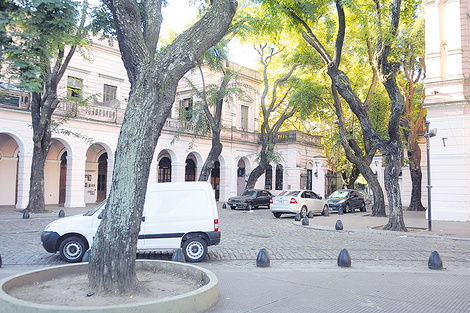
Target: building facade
[448, 106]
[79, 168]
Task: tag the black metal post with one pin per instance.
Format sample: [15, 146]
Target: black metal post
[429, 176]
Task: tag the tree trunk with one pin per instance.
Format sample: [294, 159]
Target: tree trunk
[416, 179]
[154, 79]
[391, 175]
[257, 171]
[351, 179]
[41, 113]
[213, 156]
[378, 209]
[112, 261]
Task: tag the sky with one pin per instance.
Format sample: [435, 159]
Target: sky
[179, 14]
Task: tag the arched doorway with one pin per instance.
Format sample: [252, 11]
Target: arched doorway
[215, 180]
[62, 177]
[102, 177]
[190, 170]
[279, 177]
[241, 177]
[164, 170]
[268, 177]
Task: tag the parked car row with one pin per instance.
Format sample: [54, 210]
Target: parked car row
[300, 201]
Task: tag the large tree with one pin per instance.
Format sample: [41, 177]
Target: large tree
[386, 23]
[154, 76]
[278, 103]
[45, 36]
[411, 84]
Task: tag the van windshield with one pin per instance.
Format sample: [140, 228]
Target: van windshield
[93, 211]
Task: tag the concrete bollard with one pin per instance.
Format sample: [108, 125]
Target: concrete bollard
[326, 212]
[297, 217]
[86, 256]
[61, 213]
[310, 214]
[178, 256]
[339, 225]
[224, 206]
[305, 221]
[435, 262]
[25, 214]
[262, 260]
[344, 260]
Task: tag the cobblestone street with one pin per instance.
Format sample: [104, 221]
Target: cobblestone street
[389, 269]
[245, 233]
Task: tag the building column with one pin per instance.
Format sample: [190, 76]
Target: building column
[109, 175]
[24, 178]
[177, 171]
[319, 169]
[75, 186]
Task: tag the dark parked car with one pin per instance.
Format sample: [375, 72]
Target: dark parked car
[347, 199]
[250, 198]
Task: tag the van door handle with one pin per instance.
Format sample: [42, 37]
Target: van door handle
[143, 218]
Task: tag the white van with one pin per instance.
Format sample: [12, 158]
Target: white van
[176, 215]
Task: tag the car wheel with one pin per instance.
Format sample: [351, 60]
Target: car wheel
[249, 207]
[363, 207]
[347, 208]
[72, 249]
[195, 249]
[233, 207]
[303, 211]
[277, 214]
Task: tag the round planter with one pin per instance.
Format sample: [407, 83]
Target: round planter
[199, 300]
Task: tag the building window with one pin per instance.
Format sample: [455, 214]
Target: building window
[187, 108]
[268, 178]
[190, 171]
[279, 177]
[244, 120]
[74, 87]
[164, 170]
[109, 92]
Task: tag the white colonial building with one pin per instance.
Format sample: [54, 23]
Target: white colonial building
[78, 171]
[448, 106]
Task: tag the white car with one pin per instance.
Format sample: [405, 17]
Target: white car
[297, 201]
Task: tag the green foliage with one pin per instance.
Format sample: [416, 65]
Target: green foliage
[40, 31]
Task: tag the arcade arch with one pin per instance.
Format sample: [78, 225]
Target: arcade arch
[9, 165]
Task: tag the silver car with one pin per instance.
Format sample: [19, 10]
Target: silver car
[297, 201]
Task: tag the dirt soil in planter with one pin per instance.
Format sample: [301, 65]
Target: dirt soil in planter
[72, 290]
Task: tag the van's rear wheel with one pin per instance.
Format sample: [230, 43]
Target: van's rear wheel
[72, 249]
[195, 249]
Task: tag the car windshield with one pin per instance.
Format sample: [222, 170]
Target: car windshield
[249, 193]
[339, 194]
[93, 211]
[291, 193]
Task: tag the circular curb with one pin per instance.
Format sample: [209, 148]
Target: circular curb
[199, 300]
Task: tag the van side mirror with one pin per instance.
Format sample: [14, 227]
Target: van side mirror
[100, 216]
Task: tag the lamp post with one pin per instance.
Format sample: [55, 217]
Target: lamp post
[428, 135]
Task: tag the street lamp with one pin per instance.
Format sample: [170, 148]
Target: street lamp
[428, 135]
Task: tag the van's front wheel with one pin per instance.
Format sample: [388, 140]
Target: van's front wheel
[72, 249]
[195, 249]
